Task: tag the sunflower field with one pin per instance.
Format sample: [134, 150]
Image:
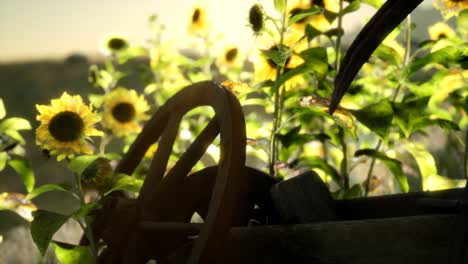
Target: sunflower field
[379, 140]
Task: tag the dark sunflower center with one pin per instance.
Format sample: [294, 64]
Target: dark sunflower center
[256, 18]
[196, 15]
[66, 126]
[271, 63]
[441, 36]
[231, 54]
[319, 3]
[123, 112]
[116, 43]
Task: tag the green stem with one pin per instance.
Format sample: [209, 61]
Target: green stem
[276, 113]
[338, 38]
[371, 168]
[105, 139]
[344, 162]
[344, 146]
[406, 58]
[87, 224]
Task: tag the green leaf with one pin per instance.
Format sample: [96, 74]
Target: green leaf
[280, 5]
[303, 14]
[15, 135]
[462, 21]
[311, 32]
[44, 226]
[14, 123]
[96, 100]
[279, 57]
[377, 117]
[292, 137]
[45, 188]
[71, 254]
[433, 86]
[388, 54]
[393, 164]
[3, 160]
[334, 32]
[86, 210]
[127, 183]
[316, 53]
[355, 191]
[24, 169]
[445, 56]
[317, 163]
[424, 159]
[2, 109]
[319, 68]
[353, 6]
[374, 3]
[407, 113]
[80, 163]
[445, 124]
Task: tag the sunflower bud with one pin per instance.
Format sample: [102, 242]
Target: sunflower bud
[256, 18]
[98, 175]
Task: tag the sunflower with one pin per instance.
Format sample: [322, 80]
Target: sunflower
[123, 109]
[318, 21]
[265, 68]
[256, 19]
[229, 57]
[114, 43]
[450, 7]
[198, 24]
[458, 4]
[65, 126]
[440, 30]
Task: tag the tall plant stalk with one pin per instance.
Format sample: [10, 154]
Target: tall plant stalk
[277, 103]
[344, 146]
[406, 57]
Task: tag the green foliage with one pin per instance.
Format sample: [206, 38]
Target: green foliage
[71, 254]
[44, 226]
[393, 164]
[3, 160]
[448, 56]
[374, 3]
[24, 169]
[377, 117]
[462, 21]
[280, 5]
[46, 188]
[303, 14]
[126, 182]
[278, 56]
[2, 109]
[424, 159]
[353, 6]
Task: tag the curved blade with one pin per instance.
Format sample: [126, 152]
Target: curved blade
[388, 17]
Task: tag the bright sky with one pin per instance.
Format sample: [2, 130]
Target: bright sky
[33, 29]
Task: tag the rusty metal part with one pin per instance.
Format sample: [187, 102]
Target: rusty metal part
[173, 197]
[387, 18]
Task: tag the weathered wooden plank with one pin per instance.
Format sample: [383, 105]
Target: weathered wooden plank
[416, 239]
